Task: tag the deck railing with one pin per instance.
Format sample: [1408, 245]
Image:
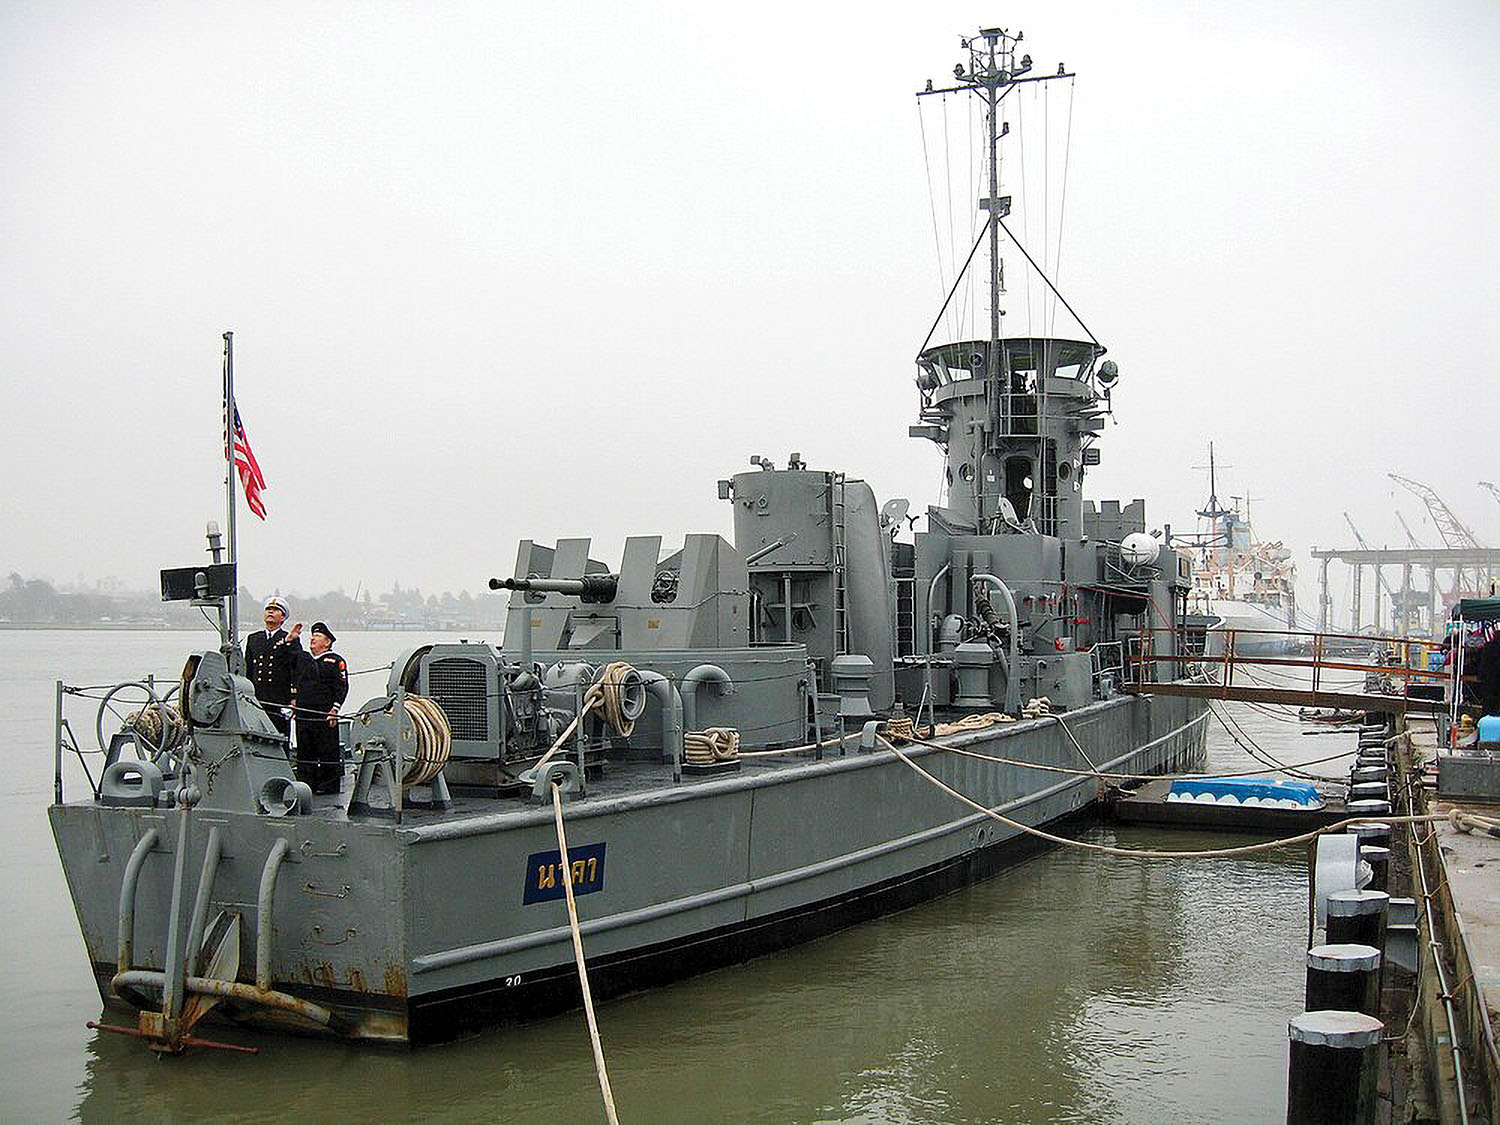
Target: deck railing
[1403, 659]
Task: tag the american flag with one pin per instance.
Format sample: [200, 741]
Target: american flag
[250, 477]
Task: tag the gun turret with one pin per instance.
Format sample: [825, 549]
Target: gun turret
[591, 588]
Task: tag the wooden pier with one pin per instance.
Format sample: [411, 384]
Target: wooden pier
[1325, 654]
[1299, 697]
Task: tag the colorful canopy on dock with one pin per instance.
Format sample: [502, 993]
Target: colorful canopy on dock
[1477, 609]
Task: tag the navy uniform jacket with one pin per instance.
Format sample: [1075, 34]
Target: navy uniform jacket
[322, 683]
[270, 663]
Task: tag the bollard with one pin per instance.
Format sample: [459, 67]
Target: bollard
[1358, 918]
[1343, 978]
[1331, 1071]
[1379, 860]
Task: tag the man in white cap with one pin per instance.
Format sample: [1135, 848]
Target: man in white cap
[270, 659]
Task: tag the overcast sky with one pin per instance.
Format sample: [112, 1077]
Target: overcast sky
[510, 270]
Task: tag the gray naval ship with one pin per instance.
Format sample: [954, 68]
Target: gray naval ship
[714, 716]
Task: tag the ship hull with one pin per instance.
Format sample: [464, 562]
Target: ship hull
[435, 928]
[1257, 631]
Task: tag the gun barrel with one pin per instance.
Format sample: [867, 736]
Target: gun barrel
[590, 587]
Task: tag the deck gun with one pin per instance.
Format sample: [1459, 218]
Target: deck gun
[592, 589]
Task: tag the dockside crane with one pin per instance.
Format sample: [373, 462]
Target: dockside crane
[1449, 526]
[1379, 578]
[1451, 529]
[1408, 611]
[1493, 490]
[1410, 538]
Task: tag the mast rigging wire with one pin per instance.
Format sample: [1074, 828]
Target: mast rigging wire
[937, 240]
[1046, 96]
[1092, 338]
[948, 180]
[968, 304]
[939, 318]
[1062, 205]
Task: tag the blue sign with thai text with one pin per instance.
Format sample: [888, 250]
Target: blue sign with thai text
[545, 873]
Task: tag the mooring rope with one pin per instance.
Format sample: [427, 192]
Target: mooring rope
[1074, 771]
[583, 973]
[976, 721]
[607, 694]
[806, 746]
[713, 744]
[434, 741]
[1151, 853]
[609, 689]
[1067, 730]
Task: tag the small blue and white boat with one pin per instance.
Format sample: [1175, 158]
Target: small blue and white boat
[1250, 792]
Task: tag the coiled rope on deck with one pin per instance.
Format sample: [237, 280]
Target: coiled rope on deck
[434, 741]
[609, 693]
[1036, 708]
[606, 694]
[902, 728]
[159, 725]
[972, 722]
[715, 744]
[583, 973]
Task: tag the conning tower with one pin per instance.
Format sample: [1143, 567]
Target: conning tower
[1016, 420]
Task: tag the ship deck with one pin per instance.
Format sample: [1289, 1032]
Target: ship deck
[619, 778]
[627, 779]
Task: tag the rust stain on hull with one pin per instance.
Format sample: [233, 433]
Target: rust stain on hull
[395, 980]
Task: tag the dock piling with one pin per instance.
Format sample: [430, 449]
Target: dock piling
[1343, 977]
[1358, 918]
[1331, 1076]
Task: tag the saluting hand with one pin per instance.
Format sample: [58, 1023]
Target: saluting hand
[296, 631]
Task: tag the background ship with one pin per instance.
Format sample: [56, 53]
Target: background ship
[1241, 585]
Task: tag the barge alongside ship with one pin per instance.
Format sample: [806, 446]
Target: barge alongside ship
[708, 713]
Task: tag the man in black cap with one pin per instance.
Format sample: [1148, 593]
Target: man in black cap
[270, 659]
[322, 686]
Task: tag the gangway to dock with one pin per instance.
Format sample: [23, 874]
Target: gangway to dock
[1317, 653]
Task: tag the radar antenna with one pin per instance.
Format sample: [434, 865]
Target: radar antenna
[993, 71]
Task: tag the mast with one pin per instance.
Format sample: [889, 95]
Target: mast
[1014, 465]
[1214, 512]
[232, 624]
[992, 96]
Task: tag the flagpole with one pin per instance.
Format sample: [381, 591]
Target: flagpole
[232, 640]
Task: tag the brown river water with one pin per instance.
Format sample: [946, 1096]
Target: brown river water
[1071, 988]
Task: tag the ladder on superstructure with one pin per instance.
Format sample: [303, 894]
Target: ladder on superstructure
[840, 554]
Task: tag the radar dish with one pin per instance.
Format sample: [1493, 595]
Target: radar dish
[893, 511]
[1139, 549]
